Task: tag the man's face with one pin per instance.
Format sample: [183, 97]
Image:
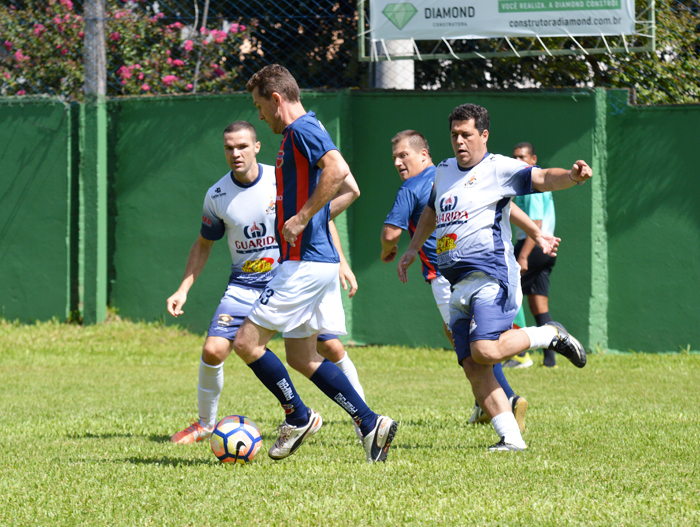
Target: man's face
[468, 144]
[407, 161]
[268, 111]
[240, 150]
[524, 154]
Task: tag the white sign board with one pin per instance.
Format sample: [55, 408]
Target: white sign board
[454, 19]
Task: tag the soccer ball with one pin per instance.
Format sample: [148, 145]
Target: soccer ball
[235, 439]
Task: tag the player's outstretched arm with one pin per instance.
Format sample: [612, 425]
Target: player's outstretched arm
[548, 179]
[389, 239]
[197, 259]
[346, 275]
[546, 242]
[347, 193]
[334, 171]
[425, 227]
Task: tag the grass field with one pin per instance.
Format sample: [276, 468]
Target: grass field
[87, 413]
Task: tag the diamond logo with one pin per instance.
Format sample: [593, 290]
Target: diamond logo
[399, 14]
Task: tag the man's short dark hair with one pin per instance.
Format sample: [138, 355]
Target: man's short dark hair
[238, 126]
[416, 140]
[274, 78]
[465, 112]
[527, 146]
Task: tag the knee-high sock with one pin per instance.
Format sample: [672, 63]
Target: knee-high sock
[272, 373]
[211, 382]
[331, 381]
[506, 427]
[348, 368]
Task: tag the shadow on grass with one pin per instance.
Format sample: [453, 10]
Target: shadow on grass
[119, 435]
[168, 461]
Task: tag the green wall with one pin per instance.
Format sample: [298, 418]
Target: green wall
[653, 227]
[628, 267]
[36, 173]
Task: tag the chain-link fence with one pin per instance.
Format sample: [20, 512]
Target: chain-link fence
[213, 46]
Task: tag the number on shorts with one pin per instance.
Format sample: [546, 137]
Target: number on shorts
[265, 296]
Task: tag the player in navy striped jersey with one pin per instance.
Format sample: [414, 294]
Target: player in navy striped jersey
[303, 298]
[240, 206]
[469, 211]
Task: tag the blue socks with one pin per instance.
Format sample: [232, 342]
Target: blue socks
[333, 382]
[272, 373]
[498, 373]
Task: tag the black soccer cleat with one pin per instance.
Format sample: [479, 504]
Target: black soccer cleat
[568, 346]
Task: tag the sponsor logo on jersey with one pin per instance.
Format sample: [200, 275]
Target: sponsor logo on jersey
[447, 243]
[263, 265]
[255, 230]
[256, 244]
[280, 159]
[471, 182]
[272, 208]
[225, 321]
[448, 203]
[206, 221]
[472, 326]
[456, 216]
[218, 193]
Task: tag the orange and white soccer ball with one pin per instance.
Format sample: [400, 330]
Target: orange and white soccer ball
[235, 439]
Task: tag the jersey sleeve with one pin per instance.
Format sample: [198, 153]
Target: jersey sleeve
[432, 198]
[213, 227]
[313, 141]
[404, 204]
[515, 177]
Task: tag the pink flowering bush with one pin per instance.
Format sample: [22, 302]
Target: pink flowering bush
[42, 51]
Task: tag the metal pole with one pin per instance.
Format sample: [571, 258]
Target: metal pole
[199, 40]
[95, 48]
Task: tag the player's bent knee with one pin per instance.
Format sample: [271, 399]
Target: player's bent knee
[214, 352]
[332, 350]
[485, 352]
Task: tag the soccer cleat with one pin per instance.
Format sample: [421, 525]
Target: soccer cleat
[519, 406]
[478, 416]
[193, 433]
[291, 437]
[568, 346]
[502, 446]
[378, 441]
[522, 360]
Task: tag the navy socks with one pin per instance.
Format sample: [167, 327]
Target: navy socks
[333, 382]
[272, 373]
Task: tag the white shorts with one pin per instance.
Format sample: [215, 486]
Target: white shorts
[302, 299]
[441, 292]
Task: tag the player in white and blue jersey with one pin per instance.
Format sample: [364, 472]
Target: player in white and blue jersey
[412, 159]
[241, 207]
[469, 211]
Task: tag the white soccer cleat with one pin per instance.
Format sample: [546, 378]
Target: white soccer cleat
[291, 437]
[378, 441]
[502, 446]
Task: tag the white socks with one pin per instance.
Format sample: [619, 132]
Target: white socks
[348, 368]
[540, 337]
[211, 382]
[506, 427]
